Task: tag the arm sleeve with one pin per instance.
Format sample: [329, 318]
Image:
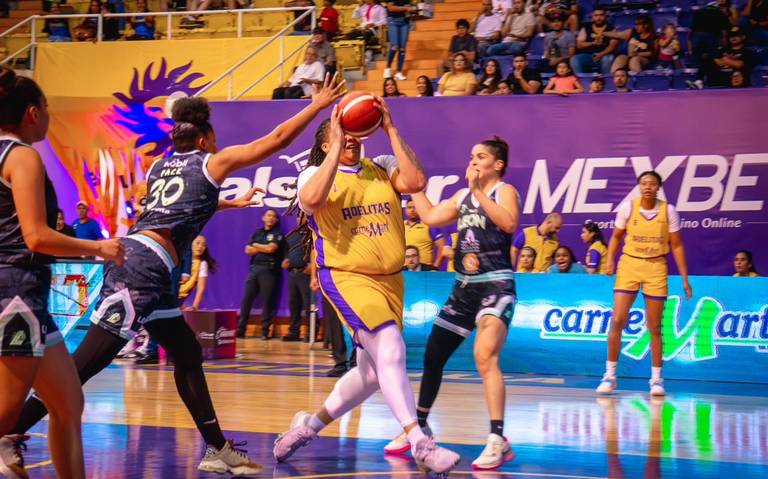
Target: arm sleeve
[593, 258]
[388, 162]
[519, 240]
[304, 176]
[622, 215]
[203, 271]
[435, 233]
[674, 219]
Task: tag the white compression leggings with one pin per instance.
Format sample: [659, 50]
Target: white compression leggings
[380, 364]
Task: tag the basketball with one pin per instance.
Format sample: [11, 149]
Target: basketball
[359, 115]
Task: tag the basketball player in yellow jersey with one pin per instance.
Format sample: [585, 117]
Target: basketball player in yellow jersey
[650, 228]
[597, 253]
[352, 206]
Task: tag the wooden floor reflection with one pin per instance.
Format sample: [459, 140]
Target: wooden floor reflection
[136, 426]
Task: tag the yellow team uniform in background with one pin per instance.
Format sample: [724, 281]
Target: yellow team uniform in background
[603, 251]
[359, 243]
[545, 247]
[418, 235]
[454, 241]
[643, 261]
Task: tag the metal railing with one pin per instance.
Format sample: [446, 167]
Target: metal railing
[33, 20]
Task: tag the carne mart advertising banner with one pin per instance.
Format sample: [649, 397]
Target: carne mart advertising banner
[561, 323]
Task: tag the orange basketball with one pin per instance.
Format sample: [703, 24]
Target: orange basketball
[359, 115]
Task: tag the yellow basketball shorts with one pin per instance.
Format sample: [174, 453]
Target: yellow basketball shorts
[649, 274]
[363, 301]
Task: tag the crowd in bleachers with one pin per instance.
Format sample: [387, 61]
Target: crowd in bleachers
[568, 47]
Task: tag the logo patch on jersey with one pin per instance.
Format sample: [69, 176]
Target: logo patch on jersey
[469, 243]
[470, 262]
[18, 339]
[114, 318]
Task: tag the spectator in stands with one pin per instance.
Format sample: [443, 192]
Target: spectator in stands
[303, 27]
[717, 72]
[502, 7]
[756, 15]
[57, 28]
[669, 47]
[85, 31]
[490, 79]
[329, 19]
[424, 86]
[202, 264]
[594, 51]
[737, 79]
[325, 52]
[621, 81]
[463, 42]
[641, 45]
[398, 26]
[565, 262]
[597, 85]
[143, 26]
[517, 31]
[503, 88]
[523, 80]
[559, 44]
[743, 265]
[62, 226]
[486, 28]
[542, 238]
[460, 80]
[372, 17]
[300, 84]
[425, 239]
[110, 27]
[390, 88]
[526, 261]
[597, 251]
[412, 262]
[567, 9]
[729, 11]
[86, 227]
[564, 82]
[708, 30]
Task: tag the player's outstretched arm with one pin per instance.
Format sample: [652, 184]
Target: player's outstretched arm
[243, 201]
[233, 158]
[613, 248]
[409, 177]
[24, 170]
[314, 193]
[442, 214]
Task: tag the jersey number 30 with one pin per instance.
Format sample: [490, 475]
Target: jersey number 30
[165, 192]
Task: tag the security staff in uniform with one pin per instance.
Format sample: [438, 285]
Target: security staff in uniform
[265, 250]
[298, 283]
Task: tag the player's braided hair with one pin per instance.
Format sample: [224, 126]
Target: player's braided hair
[316, 157]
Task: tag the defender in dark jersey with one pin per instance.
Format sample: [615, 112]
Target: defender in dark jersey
[182, 195]
[484, 293]
[32, 352]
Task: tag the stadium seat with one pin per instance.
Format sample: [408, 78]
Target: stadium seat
[536, 45]
[653, 80]
[680, 78]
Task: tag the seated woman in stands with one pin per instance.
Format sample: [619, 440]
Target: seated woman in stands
[565, 262]
[743, 266]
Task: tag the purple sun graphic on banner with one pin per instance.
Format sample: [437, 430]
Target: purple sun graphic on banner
[151, 123]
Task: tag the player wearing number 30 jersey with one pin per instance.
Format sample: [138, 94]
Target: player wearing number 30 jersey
[182, 195]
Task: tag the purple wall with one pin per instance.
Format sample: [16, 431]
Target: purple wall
[577, 155]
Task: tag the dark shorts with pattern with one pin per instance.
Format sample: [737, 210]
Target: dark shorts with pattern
[26, 327]
[137, 292]
[473, 298]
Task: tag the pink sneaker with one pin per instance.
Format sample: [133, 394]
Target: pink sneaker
[298, 436]
[431, 457]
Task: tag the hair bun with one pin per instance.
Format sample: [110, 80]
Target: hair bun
[499, 139]
[191, 110]
[7, 82]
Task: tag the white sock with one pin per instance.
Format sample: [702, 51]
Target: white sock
[610, 368]
[655, 372]
[316, 424]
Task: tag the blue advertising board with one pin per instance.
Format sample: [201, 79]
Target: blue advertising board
[561, 323]
[75, 289]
